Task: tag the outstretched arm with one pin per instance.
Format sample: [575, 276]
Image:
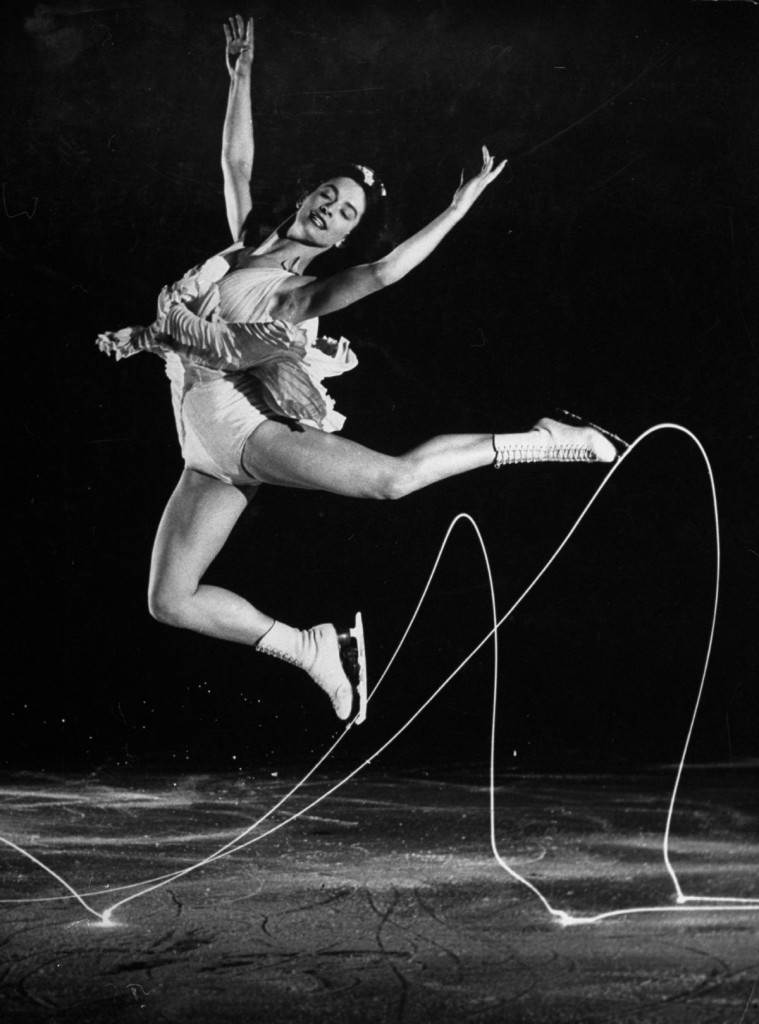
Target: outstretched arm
[319, 297]
[237, 138]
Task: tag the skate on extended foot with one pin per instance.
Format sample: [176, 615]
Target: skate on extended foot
[555, 440]
[336, 661]
[563, 415]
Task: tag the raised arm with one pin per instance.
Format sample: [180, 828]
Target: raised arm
[319, 297]
[237, 138]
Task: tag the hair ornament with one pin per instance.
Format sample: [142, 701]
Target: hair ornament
[370, 179]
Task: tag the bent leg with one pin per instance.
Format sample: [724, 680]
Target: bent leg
[310, 458]
[195, 525]
[198, 519]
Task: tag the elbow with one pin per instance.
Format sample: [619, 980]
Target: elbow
[236, 167]
[384, 274]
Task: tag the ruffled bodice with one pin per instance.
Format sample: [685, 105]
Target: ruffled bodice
[217, 319]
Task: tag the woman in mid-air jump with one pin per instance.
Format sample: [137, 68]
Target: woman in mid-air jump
[240, 342]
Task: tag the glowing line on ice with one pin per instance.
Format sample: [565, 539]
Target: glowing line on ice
[564, 917]
[74, 894]
[727, 903]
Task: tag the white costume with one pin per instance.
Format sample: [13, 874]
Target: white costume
[232, 366]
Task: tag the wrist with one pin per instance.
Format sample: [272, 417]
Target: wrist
[240, 72]
[455, 213]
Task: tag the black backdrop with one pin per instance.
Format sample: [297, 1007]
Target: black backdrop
[614, 275]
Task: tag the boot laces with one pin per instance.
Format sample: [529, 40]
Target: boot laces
[512, 454]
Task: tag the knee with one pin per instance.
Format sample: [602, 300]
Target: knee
[165, 606]
[397, 482]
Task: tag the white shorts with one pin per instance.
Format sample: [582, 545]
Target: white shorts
[215, 415]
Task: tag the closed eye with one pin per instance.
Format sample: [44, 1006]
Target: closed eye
[348, 211]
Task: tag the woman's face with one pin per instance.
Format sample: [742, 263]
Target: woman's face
[329, 214]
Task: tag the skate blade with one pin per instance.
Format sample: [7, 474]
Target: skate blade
[358, 633]
[353, 657]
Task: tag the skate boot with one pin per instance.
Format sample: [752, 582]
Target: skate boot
[336, 661]
[553, 440]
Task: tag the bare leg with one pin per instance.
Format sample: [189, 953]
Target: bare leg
[310, 458]
[201, 513]
[276, 454]
[198, 519]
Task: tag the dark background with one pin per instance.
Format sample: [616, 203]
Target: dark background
[615, 275]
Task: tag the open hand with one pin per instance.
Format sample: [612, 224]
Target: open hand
[469, 191]
[239, 35]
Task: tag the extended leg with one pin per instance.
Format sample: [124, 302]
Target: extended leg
[310, 458]
[313, 459]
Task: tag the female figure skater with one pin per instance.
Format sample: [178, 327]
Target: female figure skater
[239, 340]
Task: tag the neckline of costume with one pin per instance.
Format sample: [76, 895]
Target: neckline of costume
[277, 268]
